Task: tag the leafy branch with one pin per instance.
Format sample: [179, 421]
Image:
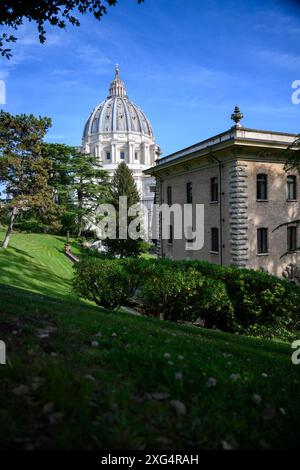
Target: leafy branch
[57, 13]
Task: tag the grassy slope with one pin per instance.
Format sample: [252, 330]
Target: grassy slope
[103, 396]
[36, 262]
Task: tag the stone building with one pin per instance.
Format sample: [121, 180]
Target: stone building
[239, 176]
[117, 130]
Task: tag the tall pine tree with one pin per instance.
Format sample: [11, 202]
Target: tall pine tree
[79, 182]
[23, 170]
[123, 184]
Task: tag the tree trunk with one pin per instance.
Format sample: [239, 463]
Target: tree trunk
[79, 231]
[80, 204]
[10, 227]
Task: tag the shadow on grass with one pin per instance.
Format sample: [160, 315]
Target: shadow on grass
[18, 269]
[21, 252]
[18, 301]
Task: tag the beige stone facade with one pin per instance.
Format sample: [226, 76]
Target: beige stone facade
[246, 223]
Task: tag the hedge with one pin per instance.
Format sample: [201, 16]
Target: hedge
[227, 298]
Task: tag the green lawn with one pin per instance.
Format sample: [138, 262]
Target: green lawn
[36, 262]
[82, 377]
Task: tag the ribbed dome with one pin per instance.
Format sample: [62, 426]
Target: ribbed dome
[117, 114]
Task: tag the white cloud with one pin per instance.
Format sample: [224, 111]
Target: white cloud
[281, 59]
[278, 23]
[56, 137]
[92, 56]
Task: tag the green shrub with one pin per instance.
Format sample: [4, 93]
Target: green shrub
[105, 282]
[171, 294]
[32, 225]
[215, 306]
[227, 298]
[261, 299]
[257, 298]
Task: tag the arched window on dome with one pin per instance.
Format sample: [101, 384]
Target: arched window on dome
[107, 155]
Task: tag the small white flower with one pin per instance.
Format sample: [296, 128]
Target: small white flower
[56, 418]
[256, 398]
[282, 411]
[114, 334]
[229, 444]
[167, 355]
[21, 390]
[211, 382]
[226, 355]
[90, 377]
[179, 407]
[94, 344]
[234, 377]
[264, 374]
[48, 408]
[180, 357]
[178, 375]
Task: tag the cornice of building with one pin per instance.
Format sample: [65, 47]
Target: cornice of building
[233, 137]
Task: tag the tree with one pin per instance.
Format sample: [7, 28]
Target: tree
[79, 182]
[43, 12]
[123, 184]
[90, 185]
[23, 170]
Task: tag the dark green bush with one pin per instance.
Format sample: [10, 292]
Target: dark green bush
[216, 308]
[171, 294]
[105, 282]
[32, 225]
[176, 294]
[257, 297]
[226, 298]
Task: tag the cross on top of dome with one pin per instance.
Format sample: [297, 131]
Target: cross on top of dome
[117, 86]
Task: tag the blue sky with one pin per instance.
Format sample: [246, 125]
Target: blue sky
[186, 63]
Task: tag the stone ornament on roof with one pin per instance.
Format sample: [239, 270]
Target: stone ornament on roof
[237, 116]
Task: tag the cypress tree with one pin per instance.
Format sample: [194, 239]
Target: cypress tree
[123, 184]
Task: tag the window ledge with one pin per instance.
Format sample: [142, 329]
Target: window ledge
[214, 252]
[214, 202]
[262, 200]
[292, 200]
[262, 254]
